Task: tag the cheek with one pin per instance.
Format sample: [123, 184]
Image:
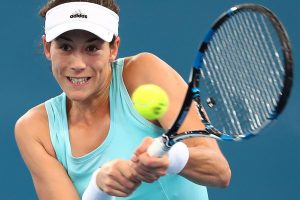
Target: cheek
[57, 62]
[97, 64]
[56, 70]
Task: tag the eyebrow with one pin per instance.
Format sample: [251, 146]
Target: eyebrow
[70, 40]
[64, 38]
[94, 39]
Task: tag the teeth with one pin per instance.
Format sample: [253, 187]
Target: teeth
[78, 81]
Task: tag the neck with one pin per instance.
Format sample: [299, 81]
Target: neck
[92, 109]
[83, 112]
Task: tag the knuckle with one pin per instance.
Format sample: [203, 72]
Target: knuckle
[108, 183]
[131, 186]
[106, 189]
[150, 180]
[147, 163]
[162, 172]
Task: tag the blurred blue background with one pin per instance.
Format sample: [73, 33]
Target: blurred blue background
[267, 167]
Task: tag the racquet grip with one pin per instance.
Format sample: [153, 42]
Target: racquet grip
[178, 154]
[157, 148]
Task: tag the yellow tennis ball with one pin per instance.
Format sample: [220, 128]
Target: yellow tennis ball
[151, 101]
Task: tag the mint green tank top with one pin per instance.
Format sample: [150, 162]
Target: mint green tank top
[126, 132]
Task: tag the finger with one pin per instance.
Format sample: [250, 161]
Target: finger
[143, 146]
[134, 158]
[153, 162]
[150, 177]
[116, 178]
[130, 174]
[111, 187]
[147, 175]
[157, 172]
[120, 185]
[142, 174]
[115, 192]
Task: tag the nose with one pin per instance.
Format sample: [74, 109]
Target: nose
[78, 63]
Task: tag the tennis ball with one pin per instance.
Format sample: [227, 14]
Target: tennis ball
[150, 101]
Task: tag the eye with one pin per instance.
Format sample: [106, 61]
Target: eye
[92, 48]
[65, 47]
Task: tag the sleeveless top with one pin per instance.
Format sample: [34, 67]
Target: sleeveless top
[127, 130]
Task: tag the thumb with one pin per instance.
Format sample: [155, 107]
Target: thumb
[142, 148]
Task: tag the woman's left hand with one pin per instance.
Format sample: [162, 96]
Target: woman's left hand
[148, 169]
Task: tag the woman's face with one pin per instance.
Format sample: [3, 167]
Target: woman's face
[81, 63]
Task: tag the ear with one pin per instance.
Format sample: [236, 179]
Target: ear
[114, 49]
[47, 46]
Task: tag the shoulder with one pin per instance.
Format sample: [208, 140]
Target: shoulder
[32, 127]
[146, 68]
[32, 119]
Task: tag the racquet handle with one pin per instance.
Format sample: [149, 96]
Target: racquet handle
[178, 154]
[157, 148]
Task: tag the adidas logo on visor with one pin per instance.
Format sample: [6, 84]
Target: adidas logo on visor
[78, 14]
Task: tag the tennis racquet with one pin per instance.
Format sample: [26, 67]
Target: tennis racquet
[244, 70]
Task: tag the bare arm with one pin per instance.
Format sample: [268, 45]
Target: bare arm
[50, 178]
[206, 165]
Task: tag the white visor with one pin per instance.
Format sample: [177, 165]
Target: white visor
[90, 17]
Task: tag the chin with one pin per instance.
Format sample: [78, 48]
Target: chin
[77, 96]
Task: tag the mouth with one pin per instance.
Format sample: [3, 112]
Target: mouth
[78, 80]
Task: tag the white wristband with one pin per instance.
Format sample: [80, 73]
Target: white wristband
[178, 156]
[93, 192]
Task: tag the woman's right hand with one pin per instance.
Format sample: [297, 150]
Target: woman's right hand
[117, 178]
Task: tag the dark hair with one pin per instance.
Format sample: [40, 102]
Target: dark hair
[110, 4]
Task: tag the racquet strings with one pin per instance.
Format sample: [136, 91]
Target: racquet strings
[243, 73]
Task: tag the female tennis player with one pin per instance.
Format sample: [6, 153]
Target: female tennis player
[90, 137]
